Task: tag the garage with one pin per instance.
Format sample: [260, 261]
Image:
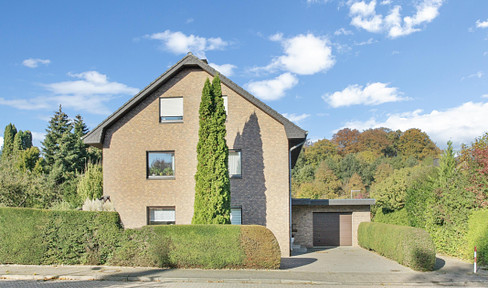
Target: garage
[328, 222]
[332, 229]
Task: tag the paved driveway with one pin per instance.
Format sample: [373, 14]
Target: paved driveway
[342, 259]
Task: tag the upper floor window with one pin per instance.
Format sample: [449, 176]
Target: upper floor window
[160, 165]
[235, 163]
[225, 104]
[171, 109]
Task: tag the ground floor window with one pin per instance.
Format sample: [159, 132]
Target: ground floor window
[161, 215]
[236, 215]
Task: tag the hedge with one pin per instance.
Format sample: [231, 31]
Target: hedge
[412, 247]
[32, 236]
[478, 236]
[398, 217]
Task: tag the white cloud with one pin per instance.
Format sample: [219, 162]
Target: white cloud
[90, 94]
[484, 96]
[373, 94]
[38, 137]
[296, 117]
[478, 75]
[34, 63]
[225, 69]
[273, 89]
[460, 124]
[343, 31]
[364, 16]
[1, 141]
[179, 43]
[385, 2]
[482, 24]
[367, 42]
[303, 55]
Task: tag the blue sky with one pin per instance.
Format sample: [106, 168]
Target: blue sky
[323, 64]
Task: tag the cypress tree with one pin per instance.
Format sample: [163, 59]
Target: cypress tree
[212, 188]
[8, 141]
[221, 184]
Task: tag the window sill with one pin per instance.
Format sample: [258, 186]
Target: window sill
[170, 121]
[160, 177]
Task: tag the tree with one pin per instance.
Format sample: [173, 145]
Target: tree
[212, 187]
[319, 151]
[90, 185]
[416, 143]
[347, 141]
[355, 183]
[374, 140]
[58, 126]
[8, 141]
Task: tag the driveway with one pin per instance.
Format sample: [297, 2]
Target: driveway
[340, 260]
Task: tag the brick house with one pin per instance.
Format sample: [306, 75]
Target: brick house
[149, 153]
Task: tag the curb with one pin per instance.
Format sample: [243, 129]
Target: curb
[230, 281]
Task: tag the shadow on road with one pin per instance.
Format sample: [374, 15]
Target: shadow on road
[290, 263]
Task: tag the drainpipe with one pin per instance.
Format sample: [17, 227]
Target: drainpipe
[289, 158]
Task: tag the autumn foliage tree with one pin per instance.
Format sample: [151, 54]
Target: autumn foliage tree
[347, 141]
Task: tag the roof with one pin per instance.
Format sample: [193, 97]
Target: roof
[332, 202]
[294, 133]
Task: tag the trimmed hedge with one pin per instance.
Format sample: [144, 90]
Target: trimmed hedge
[199, 246]
[33, 236]
[412, 247]
[478, 236]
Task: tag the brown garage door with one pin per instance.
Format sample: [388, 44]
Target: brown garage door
[332, 229]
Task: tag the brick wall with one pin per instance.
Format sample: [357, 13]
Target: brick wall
[262, 192]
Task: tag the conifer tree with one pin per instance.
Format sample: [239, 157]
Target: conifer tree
[58, 125]
[8, 141]
[81, 148]
[212, 188]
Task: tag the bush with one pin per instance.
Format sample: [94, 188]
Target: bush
[39, 237]
[32, 236]
[199, 246]
[478, 236]
[398, 217]
[412, 247]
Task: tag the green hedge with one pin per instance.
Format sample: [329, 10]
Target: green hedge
[478, 236]
[412, 247]
[199, 246]
[32, 236]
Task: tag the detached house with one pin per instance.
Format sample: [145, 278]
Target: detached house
[149, 153]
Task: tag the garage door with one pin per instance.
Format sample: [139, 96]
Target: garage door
[332, 229]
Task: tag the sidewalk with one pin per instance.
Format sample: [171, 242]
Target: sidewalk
[332, 267]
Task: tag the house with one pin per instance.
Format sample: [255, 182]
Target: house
[149, 153]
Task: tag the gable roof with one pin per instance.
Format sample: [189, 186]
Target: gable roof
[95, 137]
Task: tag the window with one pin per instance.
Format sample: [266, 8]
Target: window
[235, 163]
[160, 165]
[171, 109]
[226, 105]
[160, 215]
[235, 216]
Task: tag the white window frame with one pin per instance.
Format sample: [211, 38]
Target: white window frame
[148, 165]
[173, 116]
[240, 163]
[170, 209]
[233, 213]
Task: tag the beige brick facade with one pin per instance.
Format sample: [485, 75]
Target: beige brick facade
[263, 190]
[303, 221]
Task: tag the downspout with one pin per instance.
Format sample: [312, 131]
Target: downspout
[290, 200]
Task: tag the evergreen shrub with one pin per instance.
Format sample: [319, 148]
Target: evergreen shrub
[412, 247]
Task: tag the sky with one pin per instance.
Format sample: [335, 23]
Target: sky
[323, 64]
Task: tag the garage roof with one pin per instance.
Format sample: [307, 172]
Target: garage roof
[332, 202]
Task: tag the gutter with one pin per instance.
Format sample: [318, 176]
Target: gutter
[289, 198]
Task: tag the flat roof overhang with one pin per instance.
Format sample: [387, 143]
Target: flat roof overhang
[332, 202]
